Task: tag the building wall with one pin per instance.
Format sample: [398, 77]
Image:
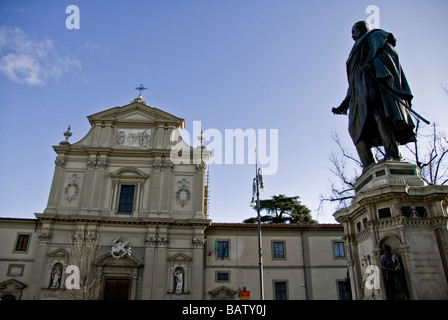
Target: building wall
[16, 265]
[309, 268]
[325, 268]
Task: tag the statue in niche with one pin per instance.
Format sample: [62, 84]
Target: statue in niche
[56, 274]
[393, 275]
[179, 277]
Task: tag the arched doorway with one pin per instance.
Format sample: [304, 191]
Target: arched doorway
[120, 277]
[116, 289]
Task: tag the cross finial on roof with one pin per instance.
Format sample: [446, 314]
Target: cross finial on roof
[140, 88]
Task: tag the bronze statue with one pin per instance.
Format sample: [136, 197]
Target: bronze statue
[393, 275]
[378, 96]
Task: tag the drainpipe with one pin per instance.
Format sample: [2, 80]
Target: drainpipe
[304, 265]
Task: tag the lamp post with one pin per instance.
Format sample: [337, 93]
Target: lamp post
[256, 188]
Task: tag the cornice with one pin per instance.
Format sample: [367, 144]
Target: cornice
[402, 193]
[54, 218]
[395, 222]
[111, 151]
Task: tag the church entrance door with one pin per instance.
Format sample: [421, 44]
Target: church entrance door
[116, 289]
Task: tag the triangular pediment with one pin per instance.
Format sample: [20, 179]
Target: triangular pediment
[179, 257]
[107, 259]
[223, 293]
[137, 115]
[135, 112]
[60, 253]
[135, 126]
[223, 289]
[13, 284]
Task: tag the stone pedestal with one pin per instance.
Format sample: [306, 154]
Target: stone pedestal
[396, 237]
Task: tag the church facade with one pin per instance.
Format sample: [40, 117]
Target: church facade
[125, 221]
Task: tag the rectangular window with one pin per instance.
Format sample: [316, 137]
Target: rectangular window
[223, 249]
[22, 242]
[222, 277]
[278, 249]
[339, 249]
[384, 213]
[126, 199]
[344, 291]
[280, 290]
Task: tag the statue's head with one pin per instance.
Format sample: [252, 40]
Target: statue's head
[359, 29]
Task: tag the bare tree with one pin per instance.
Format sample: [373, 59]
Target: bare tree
[429, 153]
[346, 168]
[443, 87]
[84, 250]
[433, 159]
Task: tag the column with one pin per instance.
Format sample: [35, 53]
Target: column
[353, 262]
[39, 265]
[137, 199]
[160, 265]
[148, 268]
[196, 283]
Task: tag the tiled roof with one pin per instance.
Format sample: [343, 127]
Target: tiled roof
[17, 219]
[276, 225]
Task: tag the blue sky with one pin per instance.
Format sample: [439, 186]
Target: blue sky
[248, 64]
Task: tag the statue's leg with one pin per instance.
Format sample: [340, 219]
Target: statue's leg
[387, 136]
[365, 153]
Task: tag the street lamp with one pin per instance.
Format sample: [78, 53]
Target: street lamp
[256, 188]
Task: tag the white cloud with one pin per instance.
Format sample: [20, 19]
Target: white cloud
[94, 48]
[24, 58]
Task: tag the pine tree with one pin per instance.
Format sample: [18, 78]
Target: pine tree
[283, 209]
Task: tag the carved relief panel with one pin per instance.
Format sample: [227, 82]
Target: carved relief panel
[137, 138]
[72, 189]
[183, 193]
